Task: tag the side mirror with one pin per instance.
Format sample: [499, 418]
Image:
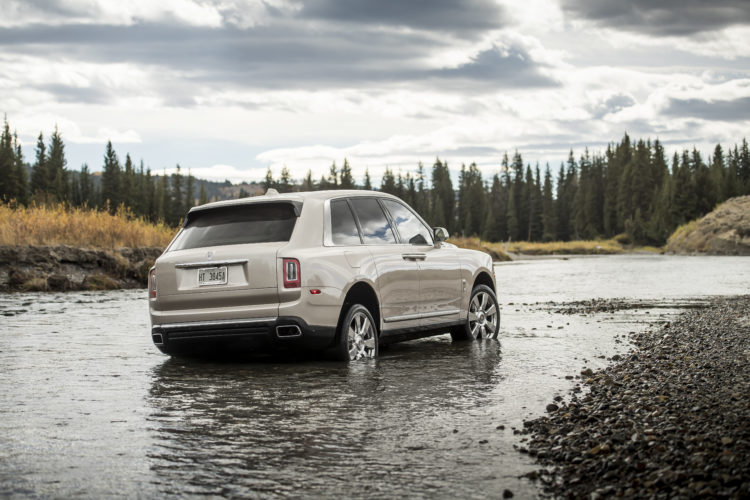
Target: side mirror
[440, 234]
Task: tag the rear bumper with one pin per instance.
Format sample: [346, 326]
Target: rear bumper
[285, 333]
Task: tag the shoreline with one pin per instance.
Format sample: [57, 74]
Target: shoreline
[61, 268]
[670, 418]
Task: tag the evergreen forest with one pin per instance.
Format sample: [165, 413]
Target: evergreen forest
[630, 189]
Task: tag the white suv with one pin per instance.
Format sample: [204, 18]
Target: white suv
[335, 271]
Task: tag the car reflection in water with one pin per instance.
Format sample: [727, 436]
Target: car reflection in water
[324, 429]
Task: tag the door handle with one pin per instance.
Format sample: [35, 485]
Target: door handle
[414, 256]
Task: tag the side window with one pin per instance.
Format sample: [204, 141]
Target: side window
[375, 227]
[409, 227]
[343, 227]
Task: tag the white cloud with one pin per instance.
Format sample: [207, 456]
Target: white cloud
[123, 12]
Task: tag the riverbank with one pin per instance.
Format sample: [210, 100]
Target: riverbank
[66, 268]
[668, 419]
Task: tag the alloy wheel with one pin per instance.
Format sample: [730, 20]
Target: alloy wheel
[483, 316]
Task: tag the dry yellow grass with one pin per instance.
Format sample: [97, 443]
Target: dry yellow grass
[596, 247]
[500, 250]
[476, 244]
[62, 225]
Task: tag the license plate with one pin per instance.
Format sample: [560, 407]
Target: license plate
[212, 276]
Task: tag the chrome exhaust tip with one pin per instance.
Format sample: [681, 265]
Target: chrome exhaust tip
[288, 331]
[157, 338]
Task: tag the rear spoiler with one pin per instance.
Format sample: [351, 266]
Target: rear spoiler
[196, 211]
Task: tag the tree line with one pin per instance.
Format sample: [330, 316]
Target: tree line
[48, 181]
[630, 189]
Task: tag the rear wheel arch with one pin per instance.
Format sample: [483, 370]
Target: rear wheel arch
[364, 294]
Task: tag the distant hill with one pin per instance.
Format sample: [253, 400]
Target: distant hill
[725, 231]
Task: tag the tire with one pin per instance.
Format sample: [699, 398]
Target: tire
[483, 320]
[357, 336]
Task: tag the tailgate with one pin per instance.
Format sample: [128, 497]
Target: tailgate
[218, 277]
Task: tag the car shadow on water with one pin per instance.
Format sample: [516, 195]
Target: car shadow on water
[275, 427]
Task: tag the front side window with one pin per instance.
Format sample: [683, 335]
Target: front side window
[409, 227]
[375, 227]
[343, 227]
[234, 225]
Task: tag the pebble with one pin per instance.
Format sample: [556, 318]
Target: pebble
[670, 419]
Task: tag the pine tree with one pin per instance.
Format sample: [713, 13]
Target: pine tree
[731, 187]
[388, 183]
[151, 202]
[520, 199]
[411, 190]
[347, 181]
[161, 198]
[333, 177]
[683, 208]
[86, 187]
[562, 209]
[285, 181]
[18, 186]
[308, 184]
[127, 182]
[202, 197]
[743, 170]
[7, 159]
[705, 190]
[111, 179]
[39, 182]
[549, 228]
[496, 225]
[268, 181]
[444, 197]
[716, 170]
[176, 208]
[421, 202]
[536, 225]
[367, 185]
[189, 192]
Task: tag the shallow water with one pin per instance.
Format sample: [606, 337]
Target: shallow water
[89, 408]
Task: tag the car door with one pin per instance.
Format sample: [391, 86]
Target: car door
[398, 279]
[438, 268]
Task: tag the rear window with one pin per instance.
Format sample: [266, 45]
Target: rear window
[240, 224]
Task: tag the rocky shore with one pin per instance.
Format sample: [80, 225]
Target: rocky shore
[63, 268]
[669, 420]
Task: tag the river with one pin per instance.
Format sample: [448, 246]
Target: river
[89, 408]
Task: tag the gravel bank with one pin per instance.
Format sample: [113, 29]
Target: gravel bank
[671, 419]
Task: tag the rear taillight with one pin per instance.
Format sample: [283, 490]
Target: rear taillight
[292, 273]
[152, 284]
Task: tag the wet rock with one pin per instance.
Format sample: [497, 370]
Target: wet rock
[667, 420]
[507, 494]
[59, 283]
[552, 407]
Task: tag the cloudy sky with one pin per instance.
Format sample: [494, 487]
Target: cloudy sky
[228, 88]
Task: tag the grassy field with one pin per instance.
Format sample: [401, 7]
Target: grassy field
[595, 247]
[62, 225]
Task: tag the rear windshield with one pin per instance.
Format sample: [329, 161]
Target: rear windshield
[251, 223]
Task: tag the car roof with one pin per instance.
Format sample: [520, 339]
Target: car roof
[299, 197]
